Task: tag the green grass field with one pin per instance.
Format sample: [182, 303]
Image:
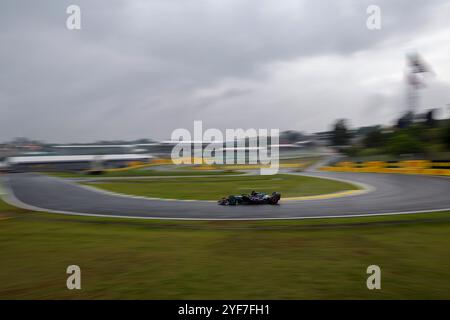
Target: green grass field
[213, 188]
[142, 173]
[143, 259]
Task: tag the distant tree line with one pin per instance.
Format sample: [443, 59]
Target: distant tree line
[428, 136]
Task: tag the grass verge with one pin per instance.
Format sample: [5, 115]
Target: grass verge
[213, 188]
[294, 259]
[140, 173]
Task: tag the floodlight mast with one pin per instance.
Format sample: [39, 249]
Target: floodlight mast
[417, 69]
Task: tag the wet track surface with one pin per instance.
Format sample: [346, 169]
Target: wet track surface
[391, 194]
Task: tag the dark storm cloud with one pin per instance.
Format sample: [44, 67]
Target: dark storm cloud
[143, 68]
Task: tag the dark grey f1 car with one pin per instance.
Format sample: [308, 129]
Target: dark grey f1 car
[253, 198]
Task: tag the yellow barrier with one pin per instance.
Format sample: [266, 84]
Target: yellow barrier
[375, 164]
[130, 167]
[404, 167]
[161, 161]
[245, 166]
[419, 164]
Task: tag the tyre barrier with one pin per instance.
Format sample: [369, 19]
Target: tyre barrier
[427, 167]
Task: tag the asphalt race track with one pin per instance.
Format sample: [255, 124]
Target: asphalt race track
[390, 193]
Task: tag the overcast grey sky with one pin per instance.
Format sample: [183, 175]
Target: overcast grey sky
[140, 69]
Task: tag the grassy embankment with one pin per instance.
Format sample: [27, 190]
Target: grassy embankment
[141, 173]
[213, 188]
[307, 259]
